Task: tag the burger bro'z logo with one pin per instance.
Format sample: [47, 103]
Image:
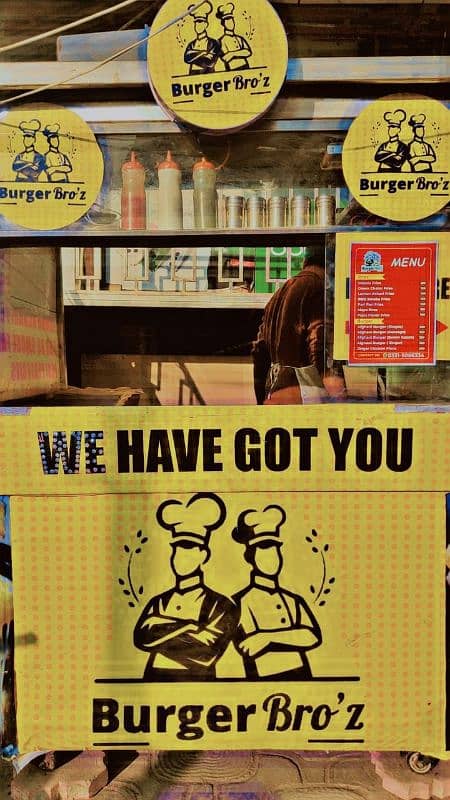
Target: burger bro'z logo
[51, 167]
[217, 65]
[396, 157]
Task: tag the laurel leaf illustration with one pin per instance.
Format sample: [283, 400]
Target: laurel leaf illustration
[322, 603]
[126, 548]
[315, 550]
[144, 540]
[131, 605]
[126, 591]
[312, 589]
[139, 534]
[326, 547]
[121, 581]
[138, 550]
[308, 539]
[141, 590]
[326, 591]
[332, 580]
[314, 532]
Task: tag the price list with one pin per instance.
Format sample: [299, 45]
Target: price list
[393, 303]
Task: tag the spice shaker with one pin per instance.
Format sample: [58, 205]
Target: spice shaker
[132, 199]
[170, 201]
[300, 210]
[256, 212]
[277, 211]
[325, 209]
[234, 210]
[205, 194]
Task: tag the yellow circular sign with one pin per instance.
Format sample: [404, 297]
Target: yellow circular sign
[214, 65]
[396, 157]
[51, 167]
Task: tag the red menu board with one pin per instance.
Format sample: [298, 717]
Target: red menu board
[392, 303]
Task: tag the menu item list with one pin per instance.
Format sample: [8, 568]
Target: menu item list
[393, 303]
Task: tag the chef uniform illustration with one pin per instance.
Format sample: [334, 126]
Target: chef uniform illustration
[235, 50]
[57, 164]
[276, 627]
[203, 52]
[391, 155]
[421, 154]
[186, 629]
[29, 164]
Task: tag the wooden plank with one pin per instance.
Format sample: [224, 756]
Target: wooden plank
[398, 69]
[146, 299]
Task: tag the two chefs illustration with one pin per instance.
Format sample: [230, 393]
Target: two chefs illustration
[186, 629]
[203, 52]
[29, 165]
[395, 155]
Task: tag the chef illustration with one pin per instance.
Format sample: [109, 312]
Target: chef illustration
[421, 154]
[203, 52]
[186, 629]
[391, 155]
[276, 628]
[29, 164]
[57, 164]
[235, 50]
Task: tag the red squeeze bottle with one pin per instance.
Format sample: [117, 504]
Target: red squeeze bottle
[133, 204]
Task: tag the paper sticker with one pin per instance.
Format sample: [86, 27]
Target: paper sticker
[221, 65]
[396, 157]
[51, 168]
[392, 303]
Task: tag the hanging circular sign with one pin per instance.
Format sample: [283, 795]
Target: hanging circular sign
[396, 157]
[214, 65]
[51, 167]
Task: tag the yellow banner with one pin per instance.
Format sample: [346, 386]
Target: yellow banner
[344, 242]
[350, 447]
[278, 585]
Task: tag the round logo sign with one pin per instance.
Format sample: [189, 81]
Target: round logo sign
[215, 65]
[396, 157]
[51, 168]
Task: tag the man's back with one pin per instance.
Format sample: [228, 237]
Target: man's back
[292, 332]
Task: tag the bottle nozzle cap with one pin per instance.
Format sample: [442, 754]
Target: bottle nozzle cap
[133, 163]
[168, 163]
[203, 164]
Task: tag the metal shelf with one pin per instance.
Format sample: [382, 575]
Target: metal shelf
[395, 69]
[147, 299]
[273, 237]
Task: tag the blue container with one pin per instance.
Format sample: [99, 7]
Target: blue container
[98, 46]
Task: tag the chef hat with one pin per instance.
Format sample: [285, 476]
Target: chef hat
[227, 10]
[416, 120]
[31, 128]
[202, 11]
[192, 521]
[51, 130]
[395, 118]
[254, 526]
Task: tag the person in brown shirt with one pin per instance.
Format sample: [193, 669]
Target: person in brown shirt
[289, 361]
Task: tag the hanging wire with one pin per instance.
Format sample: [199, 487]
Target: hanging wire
[99, 64]
[47, 34]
